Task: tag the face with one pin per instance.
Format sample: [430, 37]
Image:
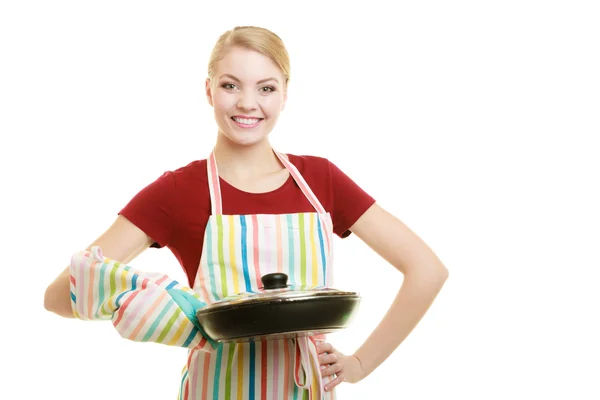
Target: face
[247, 93]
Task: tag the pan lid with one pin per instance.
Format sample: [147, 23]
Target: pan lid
[276, 288]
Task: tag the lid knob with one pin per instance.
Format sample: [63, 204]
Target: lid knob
[277, 280]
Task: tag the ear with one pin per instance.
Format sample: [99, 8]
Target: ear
[208, 90]
[285, 97]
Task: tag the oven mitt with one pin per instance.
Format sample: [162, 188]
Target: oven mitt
[143, 307]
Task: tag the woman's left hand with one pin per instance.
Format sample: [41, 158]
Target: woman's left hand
[345, 368]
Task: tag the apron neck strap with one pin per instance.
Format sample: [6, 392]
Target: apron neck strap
[302, 184]
[215, 188]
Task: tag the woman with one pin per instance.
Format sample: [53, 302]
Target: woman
[223, 218]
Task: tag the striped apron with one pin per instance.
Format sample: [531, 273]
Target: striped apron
[237, 251]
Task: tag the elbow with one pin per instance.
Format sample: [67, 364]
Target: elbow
[434, 277]
[49, 299]
[439, 274]
[55, 302]
[443, 273]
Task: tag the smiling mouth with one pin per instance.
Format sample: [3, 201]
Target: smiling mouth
[247, 121]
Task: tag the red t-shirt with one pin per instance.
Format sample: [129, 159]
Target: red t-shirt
[174, 209]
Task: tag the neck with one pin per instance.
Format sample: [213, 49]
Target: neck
[256, 159]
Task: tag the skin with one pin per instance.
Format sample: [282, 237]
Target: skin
[239, 87]
[246, 160]
[424, 275]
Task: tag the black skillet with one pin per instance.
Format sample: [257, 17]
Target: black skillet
[277, 311]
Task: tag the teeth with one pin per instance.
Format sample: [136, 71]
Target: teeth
[246, 121]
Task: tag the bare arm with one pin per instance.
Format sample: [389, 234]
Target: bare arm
[123, 241]
[424, 276]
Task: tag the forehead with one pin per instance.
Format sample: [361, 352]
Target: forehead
[247, 65]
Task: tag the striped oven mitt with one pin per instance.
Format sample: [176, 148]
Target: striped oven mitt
[143, 307]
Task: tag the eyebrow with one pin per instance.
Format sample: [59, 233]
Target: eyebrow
[259, 82]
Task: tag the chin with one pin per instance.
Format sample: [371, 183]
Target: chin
[245, 139]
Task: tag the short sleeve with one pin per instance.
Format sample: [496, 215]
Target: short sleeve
[152, 209]
[350, 201]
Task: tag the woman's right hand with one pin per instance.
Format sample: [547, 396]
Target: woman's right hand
[122, 241]
[143, 306]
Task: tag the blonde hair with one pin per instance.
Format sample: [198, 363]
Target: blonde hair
[252, 38]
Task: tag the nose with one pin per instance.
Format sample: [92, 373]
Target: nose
[247, 100]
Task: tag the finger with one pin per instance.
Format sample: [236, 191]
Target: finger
[330, 370]
[339, 379]
[328, 359]
[325, 348]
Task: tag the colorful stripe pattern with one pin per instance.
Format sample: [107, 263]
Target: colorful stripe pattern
[237, 251]
[143, 307]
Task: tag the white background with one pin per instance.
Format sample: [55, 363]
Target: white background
[474, 122]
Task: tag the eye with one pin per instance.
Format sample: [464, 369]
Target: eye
[267, 89]
[229, 86]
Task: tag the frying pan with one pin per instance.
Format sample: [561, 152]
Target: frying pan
[278, 310]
